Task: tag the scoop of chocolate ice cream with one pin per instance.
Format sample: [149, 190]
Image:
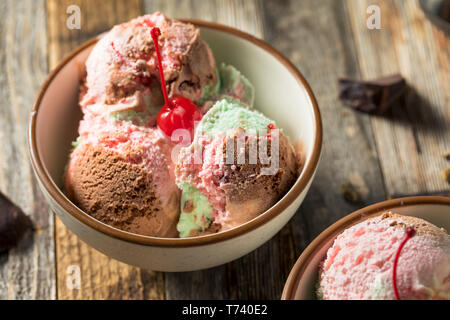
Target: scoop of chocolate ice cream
[119, 193]
[197, 75]
[251, 189]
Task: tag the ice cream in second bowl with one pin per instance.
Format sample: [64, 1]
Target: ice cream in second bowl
[388, 257]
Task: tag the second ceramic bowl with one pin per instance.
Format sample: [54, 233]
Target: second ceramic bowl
[301, 283]
[281, 93]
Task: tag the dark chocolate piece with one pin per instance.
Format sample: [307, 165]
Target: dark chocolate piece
[188, 206]
[349, 192]
[444, 11]
[13, 223]
[373, 97]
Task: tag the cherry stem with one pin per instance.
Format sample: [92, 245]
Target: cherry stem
[155, 33]
[410, 232]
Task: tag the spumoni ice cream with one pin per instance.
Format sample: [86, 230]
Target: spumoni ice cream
[122, 169]
[225, 188]
[387, 257]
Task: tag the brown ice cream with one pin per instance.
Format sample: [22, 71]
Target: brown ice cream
[120, 193]
[239, 165]
[421, 227]
[122, 67]
[247, 191]
[197, 71]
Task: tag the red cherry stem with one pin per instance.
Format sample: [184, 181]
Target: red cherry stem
[410, 232]
[155, 33]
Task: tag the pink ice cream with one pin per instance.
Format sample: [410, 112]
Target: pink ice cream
[122, 68]
[359, 265]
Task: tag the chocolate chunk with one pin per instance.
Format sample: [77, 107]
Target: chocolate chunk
[185, 85]
[349, 192]
[373, 97]
[444, 12]
[13, 223]
[188, 206]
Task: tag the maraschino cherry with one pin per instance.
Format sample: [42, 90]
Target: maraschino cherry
[177, 112]
[410, 232]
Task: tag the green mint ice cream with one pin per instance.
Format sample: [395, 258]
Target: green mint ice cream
[210, 91]
[228, 114]
[195, 211]
[232, 83]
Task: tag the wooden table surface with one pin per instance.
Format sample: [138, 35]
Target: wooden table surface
[390, 156]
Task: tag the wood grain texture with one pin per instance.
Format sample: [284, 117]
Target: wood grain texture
[101, 277]
[96, 17]
[27, 271]
[412, 139]
[242, 14]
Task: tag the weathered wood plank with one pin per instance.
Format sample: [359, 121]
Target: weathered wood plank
[27, 271]
[101, 277]
[317, 37]
[412, 140]
[244, 15]
[96, 18]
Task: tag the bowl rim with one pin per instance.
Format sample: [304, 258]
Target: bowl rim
[58, 196]
[303, 261]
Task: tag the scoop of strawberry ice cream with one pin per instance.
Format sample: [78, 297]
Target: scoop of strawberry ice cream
[359, 265]
[122, 67]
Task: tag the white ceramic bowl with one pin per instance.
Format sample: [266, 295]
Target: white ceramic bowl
[301, 283]
[281, 93]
